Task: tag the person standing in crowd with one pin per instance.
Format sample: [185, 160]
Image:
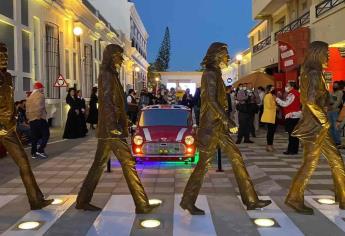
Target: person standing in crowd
[253, 101]
[82, 110]
[37, 116]
[73, 126]
[269, 116]
[313, 131]
[187, 99]
[197, 105]
[150, 95]
[132, 106]
[23, 126]
[112, 134]
[160, 99]
[92, 118]
[292, 111]
[171, 96]
[144, 99]
[261, 92]
[242, 107]
[333, 111]
[9, 137]
[229, 100]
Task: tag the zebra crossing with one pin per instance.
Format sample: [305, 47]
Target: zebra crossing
[118, 218]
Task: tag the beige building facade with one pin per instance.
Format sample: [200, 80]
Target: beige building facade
[324, 18]
[47, 38]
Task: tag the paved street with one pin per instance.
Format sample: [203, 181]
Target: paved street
[62, 174]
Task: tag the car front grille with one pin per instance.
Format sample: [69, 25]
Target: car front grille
[164, 149]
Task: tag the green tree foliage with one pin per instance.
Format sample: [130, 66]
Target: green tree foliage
[163, 58]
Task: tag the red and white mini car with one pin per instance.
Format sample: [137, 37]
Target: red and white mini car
[164, 133]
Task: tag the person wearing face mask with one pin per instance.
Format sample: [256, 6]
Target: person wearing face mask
[214, 131]
[112, 134]
[269, 116]
[292, 111]
[244, 114]
[313, 130]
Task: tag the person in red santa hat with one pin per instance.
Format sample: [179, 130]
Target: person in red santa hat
[37, 116]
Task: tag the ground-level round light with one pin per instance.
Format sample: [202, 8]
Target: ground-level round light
[326, 201]
[77, 31]
[264, 222]
[150, 223]
[29, 225]
[155, 201]
[57, 201]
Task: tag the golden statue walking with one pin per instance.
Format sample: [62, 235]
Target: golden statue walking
[112, 134]
[313, 130]
[214, 131]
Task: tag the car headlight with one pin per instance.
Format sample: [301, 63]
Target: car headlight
[138, 140]
[189, 140]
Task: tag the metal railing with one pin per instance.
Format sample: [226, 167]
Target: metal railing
[326, 6]
[299, 22]
[262, 44]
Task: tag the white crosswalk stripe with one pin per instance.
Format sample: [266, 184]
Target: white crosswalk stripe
[6, 199]
[332, 211]
[186, 224]
[284, 227]
[46, 217]
[118, 218]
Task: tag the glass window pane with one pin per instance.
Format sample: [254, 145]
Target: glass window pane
[25, 12]
[26, 84]
[26, 51]
[7, 37]
[6, 8]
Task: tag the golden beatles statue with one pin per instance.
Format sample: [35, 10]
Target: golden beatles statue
[214, 131]
[9, 137]
[313, 130]
[112, 134]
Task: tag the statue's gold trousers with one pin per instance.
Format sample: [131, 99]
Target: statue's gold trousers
[121, 150]
[207, 151]
[15, 149]
[312, 152]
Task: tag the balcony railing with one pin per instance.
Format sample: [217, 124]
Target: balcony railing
[326, 6]
[299, 22]
[262, 44]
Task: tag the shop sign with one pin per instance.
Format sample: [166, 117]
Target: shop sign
[60, 82]
[287, 56]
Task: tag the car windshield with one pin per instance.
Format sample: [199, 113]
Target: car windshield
[164, 117]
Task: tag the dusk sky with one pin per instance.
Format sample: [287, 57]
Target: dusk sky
[194, 24]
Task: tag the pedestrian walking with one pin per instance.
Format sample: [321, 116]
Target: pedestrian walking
[269, 116]
[292, 111]
[197, 105]
[92, 118]
[37, 116]
[73, 126]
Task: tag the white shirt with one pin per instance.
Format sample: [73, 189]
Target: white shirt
[287, 102]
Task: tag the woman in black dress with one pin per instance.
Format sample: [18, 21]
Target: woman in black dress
[73, 126]
[82, 110]
[92, 119]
